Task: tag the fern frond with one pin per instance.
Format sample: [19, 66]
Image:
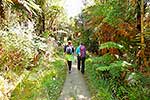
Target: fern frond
[105, 59]
[111, 45]
[103, 68]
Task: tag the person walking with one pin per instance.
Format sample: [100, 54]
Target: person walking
[78, 57]
[69, 51]
[81, 56]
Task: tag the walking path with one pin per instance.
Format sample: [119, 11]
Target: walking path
[75, 87]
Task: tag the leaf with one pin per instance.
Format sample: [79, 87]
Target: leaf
[111, 45]
[9, 1]
[34, 6]
[103, 68]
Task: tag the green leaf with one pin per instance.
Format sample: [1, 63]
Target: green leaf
[103, 68]
[111, 45]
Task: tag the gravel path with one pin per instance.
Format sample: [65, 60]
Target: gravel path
[75, 87]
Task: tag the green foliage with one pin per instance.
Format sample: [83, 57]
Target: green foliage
[46, 34]
[117, 67]
[114, 12]
[29, 5]
[105, 80]
[17, 52]
[104, 94]
[98, 87]
[44, 83]
[110, 12]
[142, 94]
[52, 85]
[112, 69]
[28, 88]
[105, 59]
[54, 80]
[111, 45]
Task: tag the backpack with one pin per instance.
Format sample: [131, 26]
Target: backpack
[69, 50]
[82, 51]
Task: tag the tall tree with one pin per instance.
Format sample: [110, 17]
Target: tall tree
[41, 16]
[50, 12]
[142, 33]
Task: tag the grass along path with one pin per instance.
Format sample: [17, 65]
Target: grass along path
[75, 87]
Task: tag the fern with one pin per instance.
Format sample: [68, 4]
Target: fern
[115, 68]
[103, 68]
[111, 45]
[105, 59]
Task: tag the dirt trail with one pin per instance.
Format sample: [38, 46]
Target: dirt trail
[75, 87]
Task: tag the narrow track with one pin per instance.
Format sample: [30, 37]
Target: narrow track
[75, 87]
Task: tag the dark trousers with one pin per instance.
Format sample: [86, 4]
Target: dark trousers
[69, 65]
[83, 64]
[79, 59]
[78, 62]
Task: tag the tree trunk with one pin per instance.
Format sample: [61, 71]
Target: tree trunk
[142, 33]
[138, 17]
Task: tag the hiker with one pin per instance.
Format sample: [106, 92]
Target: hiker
[78, 57]
[69, 51]
[81, 56]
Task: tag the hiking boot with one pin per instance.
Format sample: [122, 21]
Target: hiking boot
[69, 71]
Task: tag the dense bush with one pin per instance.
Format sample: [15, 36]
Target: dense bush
[16, 52]
[112, 79]
[23, 57]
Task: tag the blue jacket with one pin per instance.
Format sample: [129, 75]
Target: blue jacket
[78, 50]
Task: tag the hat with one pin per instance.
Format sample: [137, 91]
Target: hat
[69, 41]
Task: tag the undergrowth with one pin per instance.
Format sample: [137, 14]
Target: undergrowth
[109, 78]
[42, 83]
